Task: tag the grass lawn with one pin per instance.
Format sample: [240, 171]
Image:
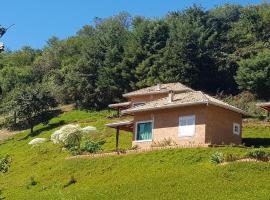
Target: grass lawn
[166, 174]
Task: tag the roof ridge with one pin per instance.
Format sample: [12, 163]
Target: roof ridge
[206, 99]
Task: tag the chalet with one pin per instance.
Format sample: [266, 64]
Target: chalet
[176, 112]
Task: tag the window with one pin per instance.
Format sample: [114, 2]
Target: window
[187, 126]
[236, 128]
[144, 131]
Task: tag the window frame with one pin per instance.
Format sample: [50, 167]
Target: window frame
[179, 126]
[239, 129]
[136, 130]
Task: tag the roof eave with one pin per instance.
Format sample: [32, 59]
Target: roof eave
[232, 108]
[164, 107]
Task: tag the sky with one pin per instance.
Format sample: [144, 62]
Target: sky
[38, 20]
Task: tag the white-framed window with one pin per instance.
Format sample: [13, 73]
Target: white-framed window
[187, 126]
[144, 131]
[236, 129]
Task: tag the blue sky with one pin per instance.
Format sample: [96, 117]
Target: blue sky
[37, 20]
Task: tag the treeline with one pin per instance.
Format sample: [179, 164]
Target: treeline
[225, 49]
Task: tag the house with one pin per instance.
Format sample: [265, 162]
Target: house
[176, 112]
[265, 106]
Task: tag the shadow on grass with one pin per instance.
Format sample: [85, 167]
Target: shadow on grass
[46, 128]
[256, 142]
[44, 118]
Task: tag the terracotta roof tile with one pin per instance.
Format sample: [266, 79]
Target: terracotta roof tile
[160, 88]
[183, 99]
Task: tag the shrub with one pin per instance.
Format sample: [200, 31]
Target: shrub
[5, 164]
[71, 181]
[258, 154]
[92, 147]
[245, 100]
[216, 158]
[165, 142]
[71, 135]
[32, 182]
[231, 157]
[75, 150]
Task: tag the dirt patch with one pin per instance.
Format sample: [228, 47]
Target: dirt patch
[5, 134]
[67, 108]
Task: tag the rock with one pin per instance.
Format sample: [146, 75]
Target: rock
[37, 141]
[89, 129]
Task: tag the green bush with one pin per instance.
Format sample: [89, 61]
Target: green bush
[231, 157]
[92, 147]
[32, 182]
[5, 164]
[245, 101]
[71, 181]
[258, 154]
[216, 158]
[74, 150]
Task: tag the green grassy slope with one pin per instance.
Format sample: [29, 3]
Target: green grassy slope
[167, 174]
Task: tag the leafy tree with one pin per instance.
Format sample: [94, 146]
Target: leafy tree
[31, 102]
[254, 74]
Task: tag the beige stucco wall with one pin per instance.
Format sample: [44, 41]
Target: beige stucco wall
[219, 126]
[214, 125]
[166, 125]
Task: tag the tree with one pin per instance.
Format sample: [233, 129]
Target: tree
[254, 74]
[31, 102]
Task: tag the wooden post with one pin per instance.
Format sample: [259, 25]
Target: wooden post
[117, 140]
[118, 112]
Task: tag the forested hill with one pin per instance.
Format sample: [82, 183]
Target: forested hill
[223, 49]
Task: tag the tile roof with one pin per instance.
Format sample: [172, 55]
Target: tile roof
[183, 99]
[159, 88]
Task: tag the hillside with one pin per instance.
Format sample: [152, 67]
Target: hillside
[42, 172]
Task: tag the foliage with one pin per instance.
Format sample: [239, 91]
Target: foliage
[92, 146]
[253, 74]
[31, 102]
[163, 143]
[258, 154]
[5, 163]
[216, 158]
[245, 101]
[71, 181]
[231, 157]
[32, 182]
[74, 150]
[229, 43]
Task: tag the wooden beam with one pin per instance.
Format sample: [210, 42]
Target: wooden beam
[117, 140]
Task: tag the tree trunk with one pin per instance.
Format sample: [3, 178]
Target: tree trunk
[30, 121]
[15, 117]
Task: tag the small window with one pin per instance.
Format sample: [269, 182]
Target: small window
[236, 128]
[187, 126]
[144, 131]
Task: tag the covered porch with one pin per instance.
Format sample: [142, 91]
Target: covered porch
[121, 125]
[265, 106]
